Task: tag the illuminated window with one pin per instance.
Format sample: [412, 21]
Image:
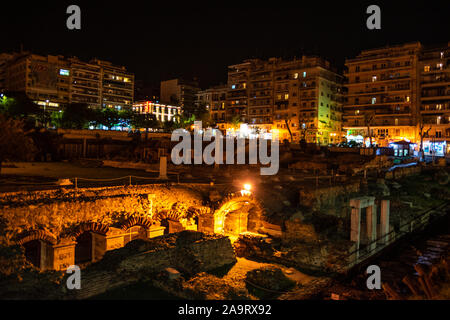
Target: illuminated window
[374, 78]
[407, 98]
[286, 96]
[439, 66]
[357, 112]
[64, 72]
[296, 75]
[304, 74]
[374, 100]
[426, 68]
[244, 85]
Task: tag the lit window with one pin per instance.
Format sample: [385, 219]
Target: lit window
[374, 78]
[374, 100]
[357, 112]
[304, 74]
[439, 66]
[426, 68]
[233, 86]
[286, 96]
[407, 98]
[296, 75]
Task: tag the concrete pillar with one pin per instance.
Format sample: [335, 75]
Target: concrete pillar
[163, 168]
[98, 246]
[384, 221]
[355, 230]
[84, 148]
[63, 255]
[371, 224]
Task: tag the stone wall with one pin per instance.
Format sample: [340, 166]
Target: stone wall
[58, 212]
[190, 252]
[318, 198]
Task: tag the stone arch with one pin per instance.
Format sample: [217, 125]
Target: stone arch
[170, 220]
[86, 235]
[238, 213]
[136, 227]
[35, 243]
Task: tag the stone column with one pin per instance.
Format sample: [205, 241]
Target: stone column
[355, 231]
[163, 168]
[384, 221]
[371, 224]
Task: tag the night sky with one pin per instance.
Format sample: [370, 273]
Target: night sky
[199, 39]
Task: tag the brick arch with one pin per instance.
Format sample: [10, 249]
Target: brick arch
[233, 203]
[137, 221]
[96, 227]
[36, 235]
[195, 211]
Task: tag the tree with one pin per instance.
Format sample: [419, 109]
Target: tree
[287, 121]
[18, 105]
[183, 120]
[369, 117]
[109, 117]
[422, 134]
[235, 122]
[76, 116]
[15, 144]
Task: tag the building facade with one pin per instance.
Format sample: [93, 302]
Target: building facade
[383, 94]
[296, 99]
[54, 81]
[434, 113]
[215, 99]
[162, 112]
[179, 92]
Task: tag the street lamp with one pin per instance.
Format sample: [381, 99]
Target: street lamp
[246, 191]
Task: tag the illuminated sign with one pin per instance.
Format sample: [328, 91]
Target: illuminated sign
[64, 72]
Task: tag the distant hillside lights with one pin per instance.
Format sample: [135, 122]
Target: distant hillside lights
[213, 153]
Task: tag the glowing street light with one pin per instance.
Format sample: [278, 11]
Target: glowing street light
[246, 191]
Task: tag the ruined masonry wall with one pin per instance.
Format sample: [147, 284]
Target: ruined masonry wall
[59, 211]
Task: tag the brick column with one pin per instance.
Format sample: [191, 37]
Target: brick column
[384, 221]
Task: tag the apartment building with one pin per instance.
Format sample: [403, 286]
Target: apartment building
[117, 85]
[383, 94]
[215, 99]
[4, 58]
[162, 112]
[296, 99]
[54, 81]
[434, 117]
[179, 92]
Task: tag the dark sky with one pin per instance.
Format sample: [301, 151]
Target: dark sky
[200, 39]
